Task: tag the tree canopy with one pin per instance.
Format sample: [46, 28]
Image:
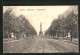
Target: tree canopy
[15, 24]
[66, 22]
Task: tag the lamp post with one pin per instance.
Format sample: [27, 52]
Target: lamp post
[71, 35]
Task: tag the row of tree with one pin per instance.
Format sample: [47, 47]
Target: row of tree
[65, 23]
[16, 25]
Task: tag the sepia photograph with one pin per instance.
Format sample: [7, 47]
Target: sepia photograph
[40, 29]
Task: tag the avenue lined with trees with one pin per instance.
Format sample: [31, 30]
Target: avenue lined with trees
[64, 24]
[19, 36]
[16, 26]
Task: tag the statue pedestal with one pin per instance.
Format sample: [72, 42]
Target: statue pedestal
[40, 33]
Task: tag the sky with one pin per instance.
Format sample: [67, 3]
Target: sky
[37, 14]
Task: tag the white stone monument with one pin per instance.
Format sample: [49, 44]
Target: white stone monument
[69, 34]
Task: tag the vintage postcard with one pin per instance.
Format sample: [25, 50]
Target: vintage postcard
[40, 29]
